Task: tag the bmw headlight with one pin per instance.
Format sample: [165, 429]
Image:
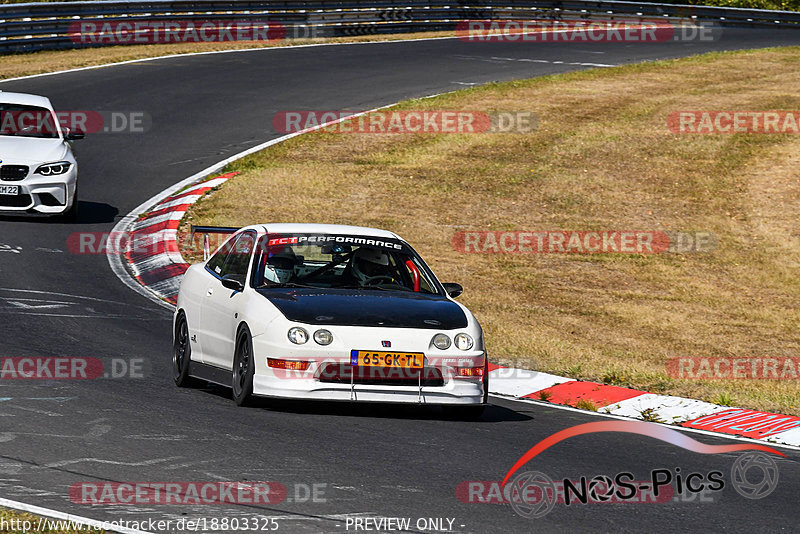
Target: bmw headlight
[323, 337]
[464, 341]
[298, 335]
[51, 169]
[441, 341]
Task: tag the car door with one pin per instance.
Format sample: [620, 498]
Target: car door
[199, 291]
[218, 316]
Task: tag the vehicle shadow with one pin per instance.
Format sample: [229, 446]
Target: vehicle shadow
[95, 212]
[88, 213]
[492, 414]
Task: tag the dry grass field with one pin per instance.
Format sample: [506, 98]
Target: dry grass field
[602, 158]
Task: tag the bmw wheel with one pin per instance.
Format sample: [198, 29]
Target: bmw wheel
[71, 215]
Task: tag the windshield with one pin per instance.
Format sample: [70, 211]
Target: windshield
[341, 262]
[27, 121]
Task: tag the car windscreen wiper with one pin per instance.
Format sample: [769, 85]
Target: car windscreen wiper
[285, 284]
[395, 287]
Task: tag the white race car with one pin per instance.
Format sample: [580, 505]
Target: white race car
[314, 311]
[38, 172]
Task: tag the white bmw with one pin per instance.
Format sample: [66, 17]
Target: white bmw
[314, 311]
[38, 172]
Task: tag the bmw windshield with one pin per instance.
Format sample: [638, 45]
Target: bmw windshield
[341, 262]
[27, 121]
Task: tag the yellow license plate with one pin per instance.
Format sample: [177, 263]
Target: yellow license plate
[403, 360]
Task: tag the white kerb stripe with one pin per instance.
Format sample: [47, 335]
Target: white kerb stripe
[55, 514]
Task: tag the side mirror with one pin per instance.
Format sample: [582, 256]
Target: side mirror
[453, 289]
[70, 135]
[232, 282]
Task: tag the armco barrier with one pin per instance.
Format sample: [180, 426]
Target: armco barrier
[45, 25]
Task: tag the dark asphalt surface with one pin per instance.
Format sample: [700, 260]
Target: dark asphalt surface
[373, 461]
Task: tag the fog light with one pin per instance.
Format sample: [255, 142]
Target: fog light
[464, 341]
[298, 335]
[323, 337]
[441, 341]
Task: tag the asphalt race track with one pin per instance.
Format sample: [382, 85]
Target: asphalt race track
[372, 461]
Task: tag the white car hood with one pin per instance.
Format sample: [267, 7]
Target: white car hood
[30, 151]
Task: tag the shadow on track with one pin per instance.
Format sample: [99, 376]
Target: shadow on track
[492, 414]
[95, 212]
[88, 213]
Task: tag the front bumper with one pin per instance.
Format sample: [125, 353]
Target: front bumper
[312, 383]
[463, 392]
[44, 195]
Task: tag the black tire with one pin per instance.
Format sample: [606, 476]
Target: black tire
[71, 215]
[243, 369]
[486, 381]
[181, 353]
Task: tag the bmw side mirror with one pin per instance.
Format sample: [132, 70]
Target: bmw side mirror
[453, 289]
[73, 135]
[230, 281]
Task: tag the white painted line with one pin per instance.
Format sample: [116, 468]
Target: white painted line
[158, 219]
[154, 262]
[792, 437]
[188, 199]
[208, 183]
[673, 427]
[52, 294]
[55, 514]
[187, 54]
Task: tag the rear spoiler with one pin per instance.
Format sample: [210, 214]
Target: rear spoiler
[209, 230]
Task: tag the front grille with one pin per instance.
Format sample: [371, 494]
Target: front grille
[11, 173]
[15, 201]
[342, 373]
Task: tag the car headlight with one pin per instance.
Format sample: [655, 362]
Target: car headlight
[323, 337]
[298, 335]
[51, 169]
[441, 341]
[464, 341]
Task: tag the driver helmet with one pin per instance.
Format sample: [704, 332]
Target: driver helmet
[370, 262]
[280, 265]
